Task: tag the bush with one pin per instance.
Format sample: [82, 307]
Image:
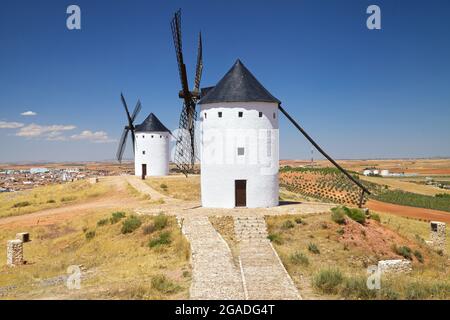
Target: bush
[116, 217]
[418, 256]
[375, 217]
[275, 238]
[313, 248]
[90, 234]
[68, 198]
[21, 204]
[356, 287]
[162, 239]
[148, 229]
[403, 251]
[340, 231]
[288, 224]
[130, 224]
[51, 201]
[299, 258]
[356, 215]
[338, 215]
[298, 221]
[163, 186]
[160, 222]
[102, 222]
[164, 285]
[328, 280]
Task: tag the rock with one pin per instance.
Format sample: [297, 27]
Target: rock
[14, 253]
[394, 266]
[437, 235]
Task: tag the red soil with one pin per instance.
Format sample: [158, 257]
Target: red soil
[412, 212]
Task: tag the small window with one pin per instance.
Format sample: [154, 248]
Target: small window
[143, 136]
[152, 136]
[260, 114]
[205, 115]
[274, 115]
[143, 152]
[240, 151]
[219, 114]
[160, 137]
[240, 114]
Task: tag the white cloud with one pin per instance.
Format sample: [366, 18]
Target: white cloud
[10, 125]
[34, 130]
[28, 113]
[95, 137]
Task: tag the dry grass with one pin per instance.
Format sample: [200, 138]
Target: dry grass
[52, 196]
[178, 187]
[225, 227]
[343, 248]
[118, 266]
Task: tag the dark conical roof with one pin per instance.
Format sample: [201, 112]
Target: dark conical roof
[151, 124]
[238, 85]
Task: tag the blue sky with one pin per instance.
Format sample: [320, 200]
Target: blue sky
[360, 93]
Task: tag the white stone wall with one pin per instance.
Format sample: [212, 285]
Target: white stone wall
[221, 164]
[155, 145]
[14, 253]
[438, 235]
[394, 266]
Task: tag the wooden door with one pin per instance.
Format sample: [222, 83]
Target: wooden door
[144, 171]
[240, 187]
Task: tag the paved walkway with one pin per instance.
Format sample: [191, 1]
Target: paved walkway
[215, 276]
[264, 275]
[142, 187]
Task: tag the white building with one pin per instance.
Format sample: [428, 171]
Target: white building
[239, 143]
[151, 148]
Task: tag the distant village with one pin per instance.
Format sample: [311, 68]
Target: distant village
[16, 180]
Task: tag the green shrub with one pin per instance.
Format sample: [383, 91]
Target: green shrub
[21, 204]
[164, 285]
[340, 231]
[130, 224]
[102, 222]
[338, 215]
[162, 239]
[160, 222]
[90, 234]
[403, 251]
[356, 287]
[288, 224]
[418, 256]
[375, 217]
[443, 195]
[312, 247]
[299, 258]
[328, 281]
[51, 201]
[163, 186]
[415, 200]
[275, 238]
[116, 217]
[298, 220]
[356, 215]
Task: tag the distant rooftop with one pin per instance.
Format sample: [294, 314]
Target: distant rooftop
[151, 124]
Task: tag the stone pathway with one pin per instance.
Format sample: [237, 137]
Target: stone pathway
[264, 275]
[142, 187]
[215, 277]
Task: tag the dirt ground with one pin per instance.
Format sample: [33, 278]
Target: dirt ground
[412, 212]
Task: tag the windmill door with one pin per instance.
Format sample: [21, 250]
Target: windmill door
[144, 171]
[240, 187]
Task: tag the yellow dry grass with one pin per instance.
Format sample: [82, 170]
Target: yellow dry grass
[178, 187]
[352, 261]
[117, 266]
[52, 196]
